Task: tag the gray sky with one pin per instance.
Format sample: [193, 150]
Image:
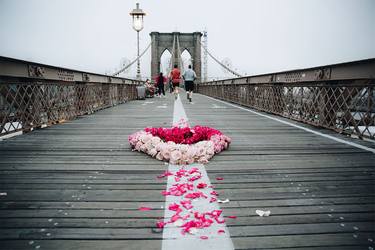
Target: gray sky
[258, 36]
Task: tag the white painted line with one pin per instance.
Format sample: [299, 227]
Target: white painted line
[178, 112]
[297, 126]
[172, 237]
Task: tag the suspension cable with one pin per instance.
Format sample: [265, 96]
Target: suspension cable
[220, 63]
[172, 55]
[180, 57]
[131, 63]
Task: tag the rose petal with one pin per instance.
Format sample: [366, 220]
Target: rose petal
[220, 231]
[219, 178]
[160, 224]
[201, 185]
[213, 199]
[174, 207]
[232, 216]
[213, 192]
[203, 237]
[144, 208]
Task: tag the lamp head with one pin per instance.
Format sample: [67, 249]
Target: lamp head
[137, 15]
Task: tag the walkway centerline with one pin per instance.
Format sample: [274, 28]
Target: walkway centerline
[172, 236]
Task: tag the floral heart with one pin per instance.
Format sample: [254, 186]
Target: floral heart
[180, 145]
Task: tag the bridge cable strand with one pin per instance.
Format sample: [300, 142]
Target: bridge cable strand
[180, 57]
[131, 63]
[172, 55]
[220, 63]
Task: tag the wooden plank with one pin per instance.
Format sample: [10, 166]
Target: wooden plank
[311, 184]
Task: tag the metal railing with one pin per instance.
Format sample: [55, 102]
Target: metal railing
[339, 97]
[34, 95]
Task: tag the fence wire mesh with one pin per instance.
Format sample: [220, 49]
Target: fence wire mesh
[28, 105]
[347, 107]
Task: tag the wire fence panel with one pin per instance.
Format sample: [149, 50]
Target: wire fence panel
[342, 100]
[32, 102]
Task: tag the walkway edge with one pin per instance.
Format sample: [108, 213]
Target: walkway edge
[296, 126]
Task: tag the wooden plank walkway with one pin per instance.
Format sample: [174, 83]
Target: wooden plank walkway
[78, 186]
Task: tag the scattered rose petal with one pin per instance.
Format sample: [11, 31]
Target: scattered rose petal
[144, 208]
[175, 218]
[203, 237]
[221, 231]
[262, 213]
[213, 192]
[174, 207]
[232, 216]
[213, 199]
[186, 204]
[219, 178]
[165, 193]
[160, 224]
[201, 185]
[195, 177]
[166, 173]
[195, 195]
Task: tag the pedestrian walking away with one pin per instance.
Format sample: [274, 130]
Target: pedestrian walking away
[176, 78]
[189, 77]
[160, 84]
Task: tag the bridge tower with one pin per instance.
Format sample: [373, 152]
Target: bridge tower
[189, 41]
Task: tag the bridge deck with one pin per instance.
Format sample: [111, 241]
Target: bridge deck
[78, 186]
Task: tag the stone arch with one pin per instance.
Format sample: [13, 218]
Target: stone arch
[188, 41]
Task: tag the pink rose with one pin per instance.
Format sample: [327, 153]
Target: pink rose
[160, 146]
[159, 156]
[203, 160]
[149, 146]
[155, 140]
[184, 158]
[190, 160]
[201, 151]
[210, 151]
[166, 154]
[217, 148]
[175, 156]
[184, 148]
[146, 138]
[191, 152]
[138, 146]
[152, 152]
[143, 148]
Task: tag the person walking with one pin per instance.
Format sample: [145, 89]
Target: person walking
[160, 84]
[189, 77]
[175, 77]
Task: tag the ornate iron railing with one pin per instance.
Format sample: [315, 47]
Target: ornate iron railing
[339, 97]
[34, 95]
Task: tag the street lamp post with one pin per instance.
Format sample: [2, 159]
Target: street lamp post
[137, 15]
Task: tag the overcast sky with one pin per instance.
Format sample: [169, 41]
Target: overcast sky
[258, 36]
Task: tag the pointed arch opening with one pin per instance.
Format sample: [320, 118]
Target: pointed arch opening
[186, 59]
[165, 61]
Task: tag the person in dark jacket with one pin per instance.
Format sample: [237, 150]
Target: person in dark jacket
[160, 84]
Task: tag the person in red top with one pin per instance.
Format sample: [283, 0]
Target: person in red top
[175, 77]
